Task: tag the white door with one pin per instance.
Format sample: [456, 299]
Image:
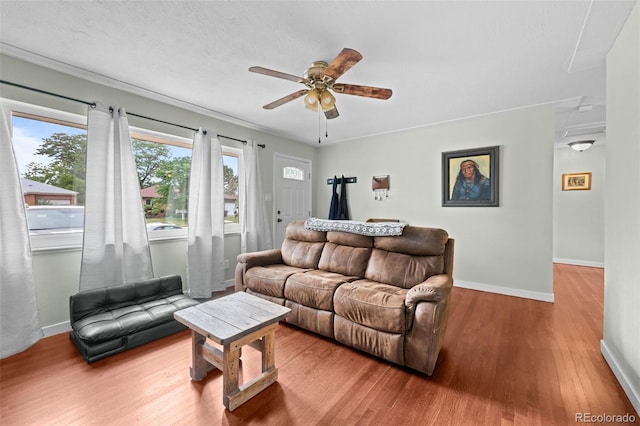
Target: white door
[292, 192]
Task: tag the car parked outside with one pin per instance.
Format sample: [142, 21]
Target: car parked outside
[55, 219]
[159, 226]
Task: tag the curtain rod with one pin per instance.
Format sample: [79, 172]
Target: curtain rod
[93, 105]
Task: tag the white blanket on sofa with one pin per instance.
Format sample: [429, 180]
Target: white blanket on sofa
[372, 229]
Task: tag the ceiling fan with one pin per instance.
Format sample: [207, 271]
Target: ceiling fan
[320, 79]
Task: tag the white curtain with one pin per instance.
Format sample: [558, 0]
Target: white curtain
[116, 246]
[205, 251]
[19, 322]
[254, 224]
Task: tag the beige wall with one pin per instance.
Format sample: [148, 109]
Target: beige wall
[621, 340]
[506, 249]
[578, 216]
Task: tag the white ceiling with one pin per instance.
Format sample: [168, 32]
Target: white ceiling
[444, 60]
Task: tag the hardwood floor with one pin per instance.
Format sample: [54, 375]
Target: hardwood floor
[505, 360]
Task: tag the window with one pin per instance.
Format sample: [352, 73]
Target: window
[50, 149]
[230, 162]
[163, 164]
[293, 173]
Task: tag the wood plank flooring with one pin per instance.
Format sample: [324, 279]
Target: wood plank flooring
[505, 361]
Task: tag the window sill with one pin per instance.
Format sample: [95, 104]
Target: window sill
[73, 241]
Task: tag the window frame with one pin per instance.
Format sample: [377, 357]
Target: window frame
[47, 242]
[74, 241]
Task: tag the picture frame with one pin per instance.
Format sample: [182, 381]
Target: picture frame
[576, 181]
[470, 177]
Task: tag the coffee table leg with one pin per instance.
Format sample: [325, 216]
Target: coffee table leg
[199, 365]
[268, 351]
[230, 361]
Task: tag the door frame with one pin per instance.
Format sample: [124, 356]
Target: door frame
[276, 156]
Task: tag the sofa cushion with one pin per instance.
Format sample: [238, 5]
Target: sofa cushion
[302, 247]
[314, 289]
[272, 299]
[402, 270]
[301, 254]
[372, 304]
[346, 253]
[415, 241]
[351, 240]
[269, 280]
[344, 260]
[315, 320]
[296, 231]
[125, 320]
[389, 346]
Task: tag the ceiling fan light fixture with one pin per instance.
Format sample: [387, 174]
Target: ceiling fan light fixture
[311, 100]
[327, 100]
[320, 84]
[581, 145]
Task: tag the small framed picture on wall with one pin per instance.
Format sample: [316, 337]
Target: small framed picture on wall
[470, 177]
[576, 181]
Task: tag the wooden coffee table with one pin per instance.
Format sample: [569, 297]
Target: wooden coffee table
[233, 321]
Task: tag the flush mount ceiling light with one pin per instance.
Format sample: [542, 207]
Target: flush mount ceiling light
[581, 145]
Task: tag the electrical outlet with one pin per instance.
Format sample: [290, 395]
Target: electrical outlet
[226, 264]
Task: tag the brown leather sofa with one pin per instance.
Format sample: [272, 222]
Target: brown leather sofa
[388, 296]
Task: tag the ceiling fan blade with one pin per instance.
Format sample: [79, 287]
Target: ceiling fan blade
[286, 99]
[332, 113]
[278, 74]
[342, 63]
[366, 91]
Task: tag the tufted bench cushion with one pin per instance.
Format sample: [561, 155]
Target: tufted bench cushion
[130, 319]
[109, 320]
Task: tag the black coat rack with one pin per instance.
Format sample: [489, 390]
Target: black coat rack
[352, 179]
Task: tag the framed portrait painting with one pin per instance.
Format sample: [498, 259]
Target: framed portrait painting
[470, 177]
[576, 181]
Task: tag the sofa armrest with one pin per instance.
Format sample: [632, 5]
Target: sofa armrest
[247, 261]
[434, 289]
[427, 312]
[260, 258]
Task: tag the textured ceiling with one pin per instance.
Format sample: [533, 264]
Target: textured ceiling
[444, 60]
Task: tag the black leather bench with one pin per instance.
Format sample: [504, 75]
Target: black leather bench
[110, 320]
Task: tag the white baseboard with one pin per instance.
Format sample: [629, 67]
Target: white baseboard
[632, 393]
[507, 291]
[579, 262]
[51, 330]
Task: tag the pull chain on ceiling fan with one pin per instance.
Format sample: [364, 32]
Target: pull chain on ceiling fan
[320, 80]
